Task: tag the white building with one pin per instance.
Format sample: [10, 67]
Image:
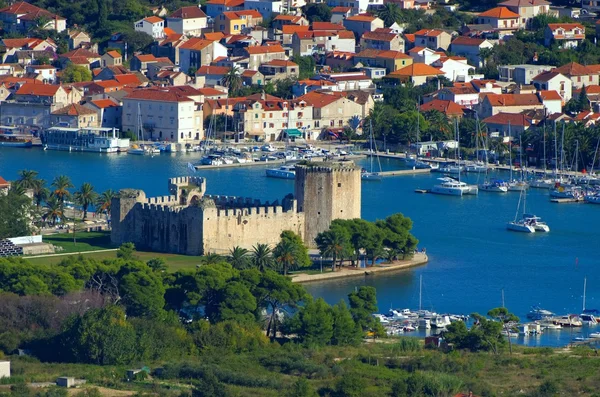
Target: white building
[554, 81]
[46, 72]
[470, 48]
[4, 369]
[454, 68]
[362, 23]
[424, 55]
[189, 21]
[357, 6]
[153, 26]
[266, 7]
[163, 114]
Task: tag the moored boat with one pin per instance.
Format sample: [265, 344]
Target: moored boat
[283, 172]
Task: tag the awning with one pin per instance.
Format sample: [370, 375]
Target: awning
[293, 132]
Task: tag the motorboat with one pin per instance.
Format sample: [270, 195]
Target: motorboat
[476, 167]
[537, 313]
[452, 187]
[547, 325]
[211, 159]
[424, 323]
[451, 169]
[136, 150]
[570, 320]
[511, 334]
[283, 172]
[496, 186]
[588, 319]
[594, 335]
[592, 198]
[268, 148]
[440, 321]
[536, 222]
[567, 192]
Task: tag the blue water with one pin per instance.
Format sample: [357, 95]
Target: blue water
[472, 255]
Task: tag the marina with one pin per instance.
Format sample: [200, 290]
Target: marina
[471, 256]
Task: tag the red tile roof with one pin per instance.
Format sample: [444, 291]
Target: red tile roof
[545, 76]
[216, 70]
[209, 91]
[362, 18]
[158, 94]
[321, 99]
[327, 26]
[291, 29]
[499, 13]
[566, 26]
[74, 109]
[409, 37]
[3, 182]
[146, 57]
[113, 54]
[38, 89]
[128, 79]
[153, 19]
[416, 69]
[512, 99]
[449, 108]
[509, 118]
[467, 41]
[550, 95]
[269, 49]
[429, 32]
[105, 103]
[228, 3]
[24, 9]
[280, 62]
[80, 52]
[341, 10]
[379, 36]
[188, 13]
[573, 69]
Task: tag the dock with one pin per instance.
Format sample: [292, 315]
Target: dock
[405, 172]
[566, 200]
[271, 162]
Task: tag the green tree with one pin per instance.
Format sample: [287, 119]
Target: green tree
[262, 258]
[283, 87]
[306, 64]
[85, 196]
[100, 336]
[584, 103]
[507, 319]
[27, 178]
[315, 323]
[301, 388]
[350, 386]
[142, 292]
[157, 265]
[15, 214]
[237, 303]
[75, 74]
[104, 201]
[290, 252]
[53, 211]
[363, 303]
[333, 243]
[126, 251]
[239, 258]
[40, 192]
[209, 386]
[61, 185]
[318, 12]
[390, 13]
[137, 41]
[233, 80]
[345, 331]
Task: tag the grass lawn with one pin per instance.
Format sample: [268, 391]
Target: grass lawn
[85, 241]
[174, 262]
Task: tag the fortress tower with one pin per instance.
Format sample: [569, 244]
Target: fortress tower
[327, 191]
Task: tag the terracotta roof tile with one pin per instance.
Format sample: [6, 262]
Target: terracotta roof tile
[467, 41]
[291, 29]
[38, 89]
[501, 100]
[188, 13]
[105, 103]
[269, 49]
[573, 69]
[499, 13]
[327, 26]
[362, 18]
[509, 118]
[74, 109]
[215, 70]
[113, 54]
[379, 36]
[159, 94]
[153, 19]
[429, 32]
[447, 107]
[416, 69]
[550, 95]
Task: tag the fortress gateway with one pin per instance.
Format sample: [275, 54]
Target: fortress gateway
[191, 222]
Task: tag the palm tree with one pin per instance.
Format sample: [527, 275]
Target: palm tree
[85, 197]
[285, 255]
[233, 80]
[27, 178]
[40, 192]
[390, 13]
[261, 257]
[238, 257]
[61, 185]
[53, 210]
[211, 259]
[104, 201]
[332, 244]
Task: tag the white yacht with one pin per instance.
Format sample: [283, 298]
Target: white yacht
[568, 192]
[494, 186]
[536, 222]
[452, 187]
[440, 321]
[517, 186]
[476, 167]
[283, 172]
[592, 198]
[520, 226]
[542, 183]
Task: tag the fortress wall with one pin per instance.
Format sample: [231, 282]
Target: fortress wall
[247, 227]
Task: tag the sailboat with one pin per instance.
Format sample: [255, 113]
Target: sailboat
[413, 161]
[521, 184]
[478, 166]
[545, 183]
[371, 175]
[142, 149]
[528, 223]
[496, 186]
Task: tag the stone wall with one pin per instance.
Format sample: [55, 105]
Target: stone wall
[327, 192]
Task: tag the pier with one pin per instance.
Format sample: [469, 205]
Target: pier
[566, 200]
[405, 172]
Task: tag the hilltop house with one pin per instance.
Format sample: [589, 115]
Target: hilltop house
[390, 60]
[493, 104]
[433, 38]
[359, 24]
[527, 9]
[567, 35]
[197, 52]
[236, 22]
[216, 7]
[188, 21]
[554, 81]
[319, 42]
[417, 73]
[152, 26]
[111, 58]
[382, 39]
[503, 21]
[470, 48]
[21, 17]
[257, 55]
[580, 75]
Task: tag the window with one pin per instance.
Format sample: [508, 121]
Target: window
[256, 116]
[236, 27]
[271, 125]
[317, 123]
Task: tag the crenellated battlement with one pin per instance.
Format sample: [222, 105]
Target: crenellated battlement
[162, 200]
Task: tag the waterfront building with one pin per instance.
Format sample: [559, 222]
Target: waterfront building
[164, 114]
[75, 116]
[191, 222]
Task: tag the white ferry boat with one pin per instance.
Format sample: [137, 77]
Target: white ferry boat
[452, 187]
[100, 140]
[283, 172]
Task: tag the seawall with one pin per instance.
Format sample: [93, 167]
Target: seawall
[417, 260]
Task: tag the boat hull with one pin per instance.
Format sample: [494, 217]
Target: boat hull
[16, 144]
[448, 191]
[370, 176]
[67, 148]
[518, 227]
[274, 173]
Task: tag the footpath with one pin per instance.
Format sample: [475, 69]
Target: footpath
[417, 260]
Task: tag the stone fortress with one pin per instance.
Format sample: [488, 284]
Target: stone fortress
[191, 222]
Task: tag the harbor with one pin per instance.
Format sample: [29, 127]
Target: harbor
[471, 255]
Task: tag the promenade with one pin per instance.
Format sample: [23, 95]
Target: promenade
[417, 260]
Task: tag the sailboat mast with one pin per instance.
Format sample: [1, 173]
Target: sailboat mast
[420, 291]
[502, 297]
[521, 156]
[545, 147]
[510, 151]
[457, 133]
[584, 288]
[371, 143]
[555, 152]
[562, 150]
[595, 153]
